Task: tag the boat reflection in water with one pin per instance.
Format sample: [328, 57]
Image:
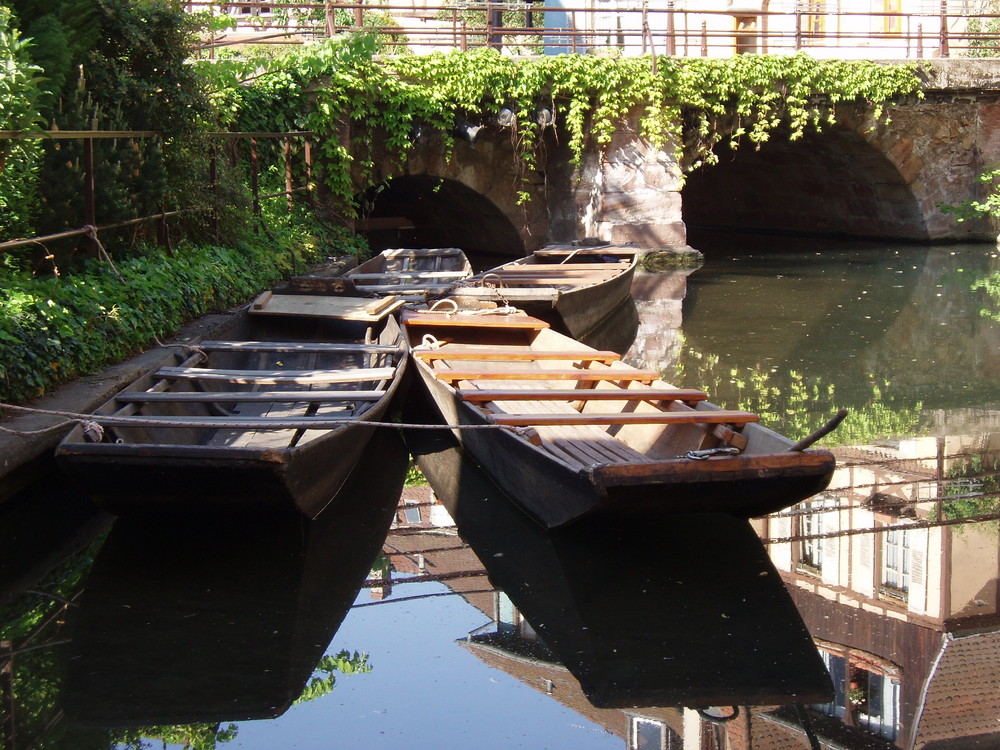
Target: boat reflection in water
[685, 610]
[184, 622]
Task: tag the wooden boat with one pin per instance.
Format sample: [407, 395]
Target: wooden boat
[573, 288]
[413, 274]
[679, 610]
[204, 620]
[568, 430]
[276, 414]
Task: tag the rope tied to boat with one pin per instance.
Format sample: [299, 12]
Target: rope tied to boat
[706, 453]
[97, 423]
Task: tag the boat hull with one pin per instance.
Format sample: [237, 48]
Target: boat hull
[166, 470]
[555, 494]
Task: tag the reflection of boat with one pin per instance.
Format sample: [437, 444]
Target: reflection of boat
[274, 415]
[681, 610]
[415, 274]
[184, 623]
[572, 288]
[587, 433]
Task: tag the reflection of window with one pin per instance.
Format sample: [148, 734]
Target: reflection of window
[651, 734]
[896, 560]
[811, 552]
[866, 694]
[411, 513]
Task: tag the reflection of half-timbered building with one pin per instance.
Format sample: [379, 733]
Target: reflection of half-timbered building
[900, 598]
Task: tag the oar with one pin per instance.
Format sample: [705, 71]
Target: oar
[824, 430]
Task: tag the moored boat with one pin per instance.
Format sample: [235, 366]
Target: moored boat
[569, 431]
[573, 288]
[276, 414]
[413, 274]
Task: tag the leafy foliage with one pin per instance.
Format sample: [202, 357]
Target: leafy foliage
[57, 328]
[687, 105]
[795, 405]
[21, 93]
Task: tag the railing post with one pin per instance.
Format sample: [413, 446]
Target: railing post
[359, 15]
[671, 45]
[89, 189]
[943, 40]
[254, 177]
[920, 40]
[704, 39]
[288, 172]
[213, 182]
[798, 29]
[307, 149]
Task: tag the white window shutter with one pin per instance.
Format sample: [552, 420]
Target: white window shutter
[863, 565]
[917, 595]
[830, 524]
[781, 554]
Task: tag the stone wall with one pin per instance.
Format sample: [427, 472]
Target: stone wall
[861, 177]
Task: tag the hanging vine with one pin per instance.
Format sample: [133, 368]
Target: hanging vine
[687, 105]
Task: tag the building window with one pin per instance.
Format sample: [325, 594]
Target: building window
[811, 526]
[865, 695]
[896, 562]
[651, 734]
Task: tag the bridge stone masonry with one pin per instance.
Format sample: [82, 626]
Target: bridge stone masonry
[860, 177]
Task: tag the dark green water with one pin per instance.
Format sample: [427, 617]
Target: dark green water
[212, 630]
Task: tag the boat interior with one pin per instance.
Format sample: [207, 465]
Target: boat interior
[260, 387]
[582, 405]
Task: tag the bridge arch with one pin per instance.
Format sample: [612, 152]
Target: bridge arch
[428, 211]
[832, 183]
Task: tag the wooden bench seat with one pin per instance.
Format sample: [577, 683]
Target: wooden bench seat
[599, 266]
[583, 394]
[409, 275]
[285, 347]
[245, 396]
[468, 320]
[401, 287]
[452, 376]
[713, 416]
[518, 353]
[274, 377]
[579, 446]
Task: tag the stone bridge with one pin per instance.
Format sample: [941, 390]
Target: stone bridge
[857, 179]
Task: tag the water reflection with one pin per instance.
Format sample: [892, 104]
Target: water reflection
[894, 571]
[678, 611]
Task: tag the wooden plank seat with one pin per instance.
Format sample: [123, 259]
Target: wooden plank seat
[452, 376]
[229, 423]
[284, 347]
[583, 394]
[468, 320]
[245, 396]
[516, 353]
[415, 274]
[555, 252]
[720, 416]
[423, 252]
[580, 445]
[567, 268]
[401, 287]
[274, 377]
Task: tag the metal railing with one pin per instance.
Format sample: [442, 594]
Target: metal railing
[624, 27]
[91, 230]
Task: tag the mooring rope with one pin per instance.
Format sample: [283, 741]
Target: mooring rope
[97, 421]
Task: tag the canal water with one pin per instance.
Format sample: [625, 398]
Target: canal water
[865, 618]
